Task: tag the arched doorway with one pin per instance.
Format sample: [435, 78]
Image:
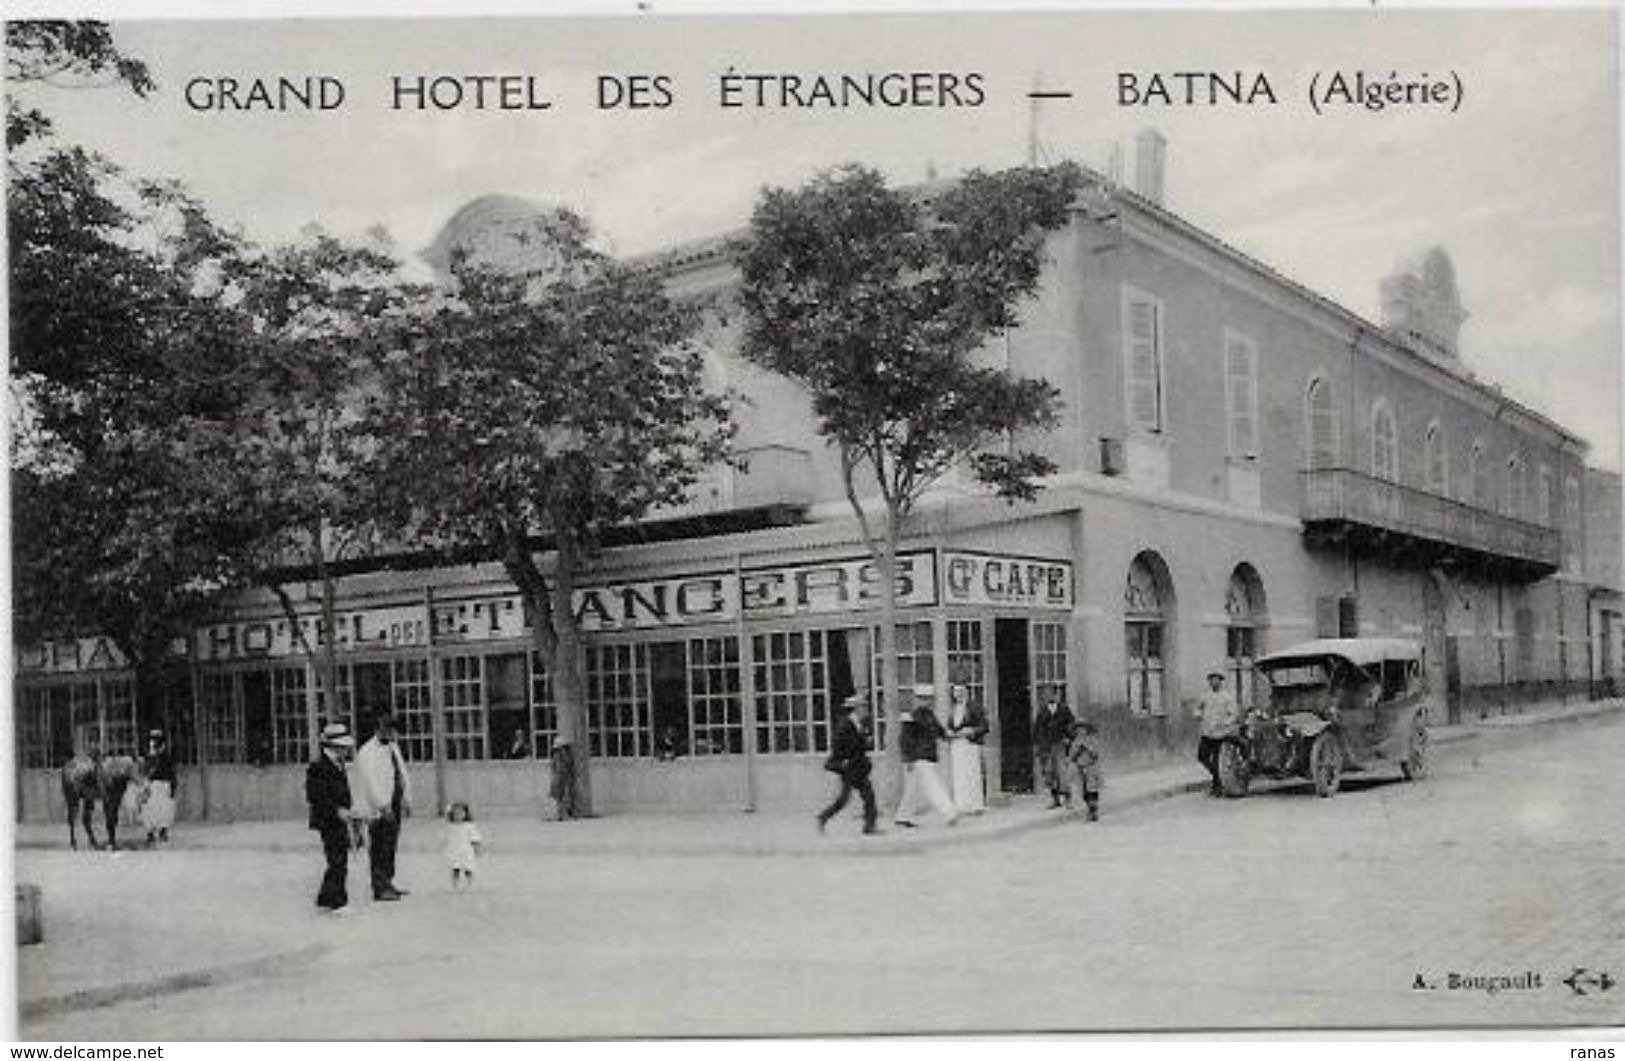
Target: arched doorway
[1147, 618]
[1245, 619]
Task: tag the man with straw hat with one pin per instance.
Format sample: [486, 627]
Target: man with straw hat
[327, 791]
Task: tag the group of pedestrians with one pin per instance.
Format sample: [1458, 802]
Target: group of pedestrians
[368, 814]
[1065, 746]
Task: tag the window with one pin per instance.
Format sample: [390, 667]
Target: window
[792, 712]
[916, 665]
[1571, 523]
[222, 722]
[462, 691]
[1436, 460]
[714, 696]
[1478, 473]
[1515, 504]
[1244, 615]
[1142, 357]
[508, 730]
[409, 696]
[544, 710]
[290, 730]
[965, 658]
[1321, 416]
[1384, 452]
[1143, 619]
[1049, 661]
[118, 717]
[34, 723]
[618, 700]
[1543, 497]
[1241, 394]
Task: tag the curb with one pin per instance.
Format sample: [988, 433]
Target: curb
[209, 976]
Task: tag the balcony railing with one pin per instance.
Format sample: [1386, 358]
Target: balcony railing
[773, 475]
[1345, 496]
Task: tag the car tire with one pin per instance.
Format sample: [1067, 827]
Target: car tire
[1418, 751]
[1326, 763]
[1233, 769]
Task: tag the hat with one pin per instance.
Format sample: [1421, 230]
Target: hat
[337, 735]
[857, 699]
[1212, 669]
[155, 734]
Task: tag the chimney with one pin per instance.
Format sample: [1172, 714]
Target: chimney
[1150, 155]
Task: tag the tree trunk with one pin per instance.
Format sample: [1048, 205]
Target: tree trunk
[891, 775]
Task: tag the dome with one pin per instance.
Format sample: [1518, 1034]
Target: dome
[492, 230]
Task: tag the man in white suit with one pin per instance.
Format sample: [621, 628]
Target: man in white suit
[383, 798]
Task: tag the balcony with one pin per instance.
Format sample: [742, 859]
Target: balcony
[1346, 506]
[775, 477]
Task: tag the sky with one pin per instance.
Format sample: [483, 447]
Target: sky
[1519, 183]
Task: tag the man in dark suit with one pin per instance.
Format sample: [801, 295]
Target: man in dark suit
[1051, 729]
[328, 793]
[849, 758]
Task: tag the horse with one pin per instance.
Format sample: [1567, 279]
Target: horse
[88, 778]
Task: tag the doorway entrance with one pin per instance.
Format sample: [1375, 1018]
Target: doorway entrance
[1012, 661]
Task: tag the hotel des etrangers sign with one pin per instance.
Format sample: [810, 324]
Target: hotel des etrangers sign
[924, 578]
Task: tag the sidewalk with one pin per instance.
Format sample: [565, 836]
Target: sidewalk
[778, 833]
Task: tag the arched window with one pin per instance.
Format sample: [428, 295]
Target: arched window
[1543, 497]
[1437, 461]
[1244, 619]
[1515, 505]
[1321, 417]
[1384, 450]
[1147, 609]
[1478, 473]
[1572, 532]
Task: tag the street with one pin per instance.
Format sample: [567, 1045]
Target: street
[1504, 869]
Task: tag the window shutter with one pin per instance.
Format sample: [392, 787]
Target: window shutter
[1239, 368]
[1322, 428]
[1144, 357]
[1326, 616]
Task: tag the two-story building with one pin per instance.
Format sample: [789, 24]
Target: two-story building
[1243, 464]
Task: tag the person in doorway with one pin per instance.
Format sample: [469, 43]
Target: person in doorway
[1220, 716]
[849, 760]
[1052, 727]
[327, 790]
[158, 812]
[1084, 752]
[519, 747]
[921, 731]
[383, 799]
[967, 729]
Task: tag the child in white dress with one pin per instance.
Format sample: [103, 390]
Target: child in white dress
[462, 845]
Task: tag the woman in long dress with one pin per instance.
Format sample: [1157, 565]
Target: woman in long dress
[967, 729]
[158, 812]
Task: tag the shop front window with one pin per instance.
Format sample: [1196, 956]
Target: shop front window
[1244, 615]
[222, 719]
[618, 700]
[462, 690]
[1049, 662]
[509, 731]
[409, 697]
[714, 696]
[965, 664]
[34, 725]
[792, 689]
[290, 730]
[916, 665]
[544, 711]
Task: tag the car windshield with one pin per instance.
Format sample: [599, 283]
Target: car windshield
[1301, 675]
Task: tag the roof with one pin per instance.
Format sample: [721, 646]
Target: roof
[1361, 651]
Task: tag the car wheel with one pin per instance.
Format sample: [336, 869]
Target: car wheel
[1234, 771]
[1417, 752]
[1326, 763]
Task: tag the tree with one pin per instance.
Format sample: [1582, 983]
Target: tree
[879, 302]
[125, 379]
[515, 412]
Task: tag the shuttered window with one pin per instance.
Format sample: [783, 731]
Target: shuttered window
[1143, 357]
[1322, 418]
[1241, 394]
[1438, 468]
[1384, 456]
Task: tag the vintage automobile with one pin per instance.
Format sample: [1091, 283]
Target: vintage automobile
[1335, 705]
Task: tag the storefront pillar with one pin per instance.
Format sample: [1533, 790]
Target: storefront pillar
[200, 733]
[747, 690]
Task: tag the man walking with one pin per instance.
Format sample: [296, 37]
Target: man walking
[384, 798]
[1051, 730]
[849, 759]
[921, 782]
[1220, 716]
[328, 793]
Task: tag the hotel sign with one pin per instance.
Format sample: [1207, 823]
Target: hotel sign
[75, 656]
[843, 585]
